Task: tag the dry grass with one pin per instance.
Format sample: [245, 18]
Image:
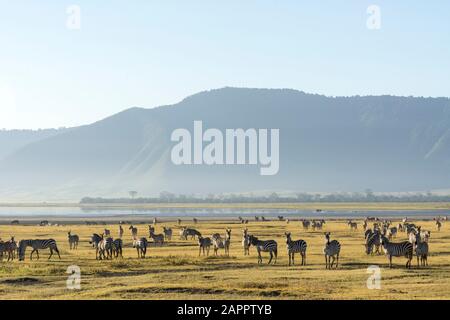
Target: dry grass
[175, 271]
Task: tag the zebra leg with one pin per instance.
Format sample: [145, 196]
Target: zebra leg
[418, 260]
[337, 260]
[51, 253]
[57, 251]
[276, 254]
[271, 257]
[390, 261]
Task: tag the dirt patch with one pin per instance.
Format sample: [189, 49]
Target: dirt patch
[22, 281]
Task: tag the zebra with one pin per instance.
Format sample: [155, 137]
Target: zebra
[365, 224]
[204, 244]
[155, 221]
[331, 250]
[37, 245]
[107, 233]
[270, 246]
[256, 218]
[306, 224]
[245, 242]
[438, 225]
[373, 239]
[195, 220]
[141, 247]
[317, 224]
[95, 241]
[185, 232]
[218, 243]
[263, 218]
[402, 249]
[400, 227]
[227, 241]
[120, 231]
[157, 238]
[117, 246]
[179, 221]
[134, 232]
[105, 247]
[9, 247]
[353, 225]
[73, 240]
[298, 246]
[280, 218]
[421, 248]
[392, 233]
[167, 233]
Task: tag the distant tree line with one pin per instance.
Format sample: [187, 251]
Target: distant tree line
[368, 196]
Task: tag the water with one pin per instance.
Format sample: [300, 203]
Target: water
[75, 212]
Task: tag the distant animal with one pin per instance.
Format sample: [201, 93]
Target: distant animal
[306, 224]
[155, 221]
[392, 233]
[438, 225]
[218, 243]
[15, 222]
[227, 241]
[195, 220]
[245, 242]
[9, 247]
[107, 233]
[331, 250]
[167, 233]
[365, 225]
[256, 218]
[186, 232]
[270, 246]
[134, 232]
[263, 218]
[293, 247]
[179, 221]
[157, 238]
[73, 240]
[280, 218]
[95, 242]
[204, 244]
[402, 249]
[44, 223]
[141, 247]
[37, 244]
[353, 225]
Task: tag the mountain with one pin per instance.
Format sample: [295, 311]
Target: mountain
[327, 144]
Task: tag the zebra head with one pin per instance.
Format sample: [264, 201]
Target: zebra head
[288, 237]
[21, 250]
[327, 237]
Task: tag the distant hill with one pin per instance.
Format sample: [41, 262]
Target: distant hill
[327, 144]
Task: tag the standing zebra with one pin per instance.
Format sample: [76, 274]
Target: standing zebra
[392, 232]
[402, 249]
[218, 242]
[195, 220]
[438, 225]
[167, 233]
[298, 246]
[95, 241]
[37, 245]
[365, 224]
[373, 239]
[120, 231]
[105, 248]
[331, 250]
[353, 225]
[157, 238]
[306, 224]
[9, 247]
[245, 242]
[134, 232]
[107, 233]
[421, 248]
[117, 248]
[179, 221]
[204, 244]
[73, 240]
[141, 247]
[227, 241]
[264, 246]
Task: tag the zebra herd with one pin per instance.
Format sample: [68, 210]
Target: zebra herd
[377, 238]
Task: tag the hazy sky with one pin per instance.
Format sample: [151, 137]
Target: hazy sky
[149, 53]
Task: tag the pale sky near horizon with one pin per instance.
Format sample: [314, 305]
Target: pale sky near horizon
[149, 53]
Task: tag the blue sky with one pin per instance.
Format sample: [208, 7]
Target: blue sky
[150, 53]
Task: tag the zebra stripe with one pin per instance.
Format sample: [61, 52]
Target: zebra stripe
[73, 240]
[204, 244]
[331, 250]
[270, 246]
[37, 244]
[298, 246]
[141, 247]
[402, 249]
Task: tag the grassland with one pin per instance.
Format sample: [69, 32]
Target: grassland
[175, 271]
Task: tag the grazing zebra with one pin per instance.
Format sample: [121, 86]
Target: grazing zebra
[280, 218]
[141, 247]
[95, 241]
[195, 220]
[373, 239]
[438, 225]
[298, 246]
[73, 240]
[402, 249]
[421, 248]
[179, 221]
[204, 244]
[331, 250]
[245, 242]
[134, 232]
[107, 233]
[263, 218]
[218, 242]
[120, 231]
[157, 238]
[306, 224]
[117, 246]
[256, 218]
[37, 245]
[265, 246]
[185, 232]
[167, 233]
[353, 225]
